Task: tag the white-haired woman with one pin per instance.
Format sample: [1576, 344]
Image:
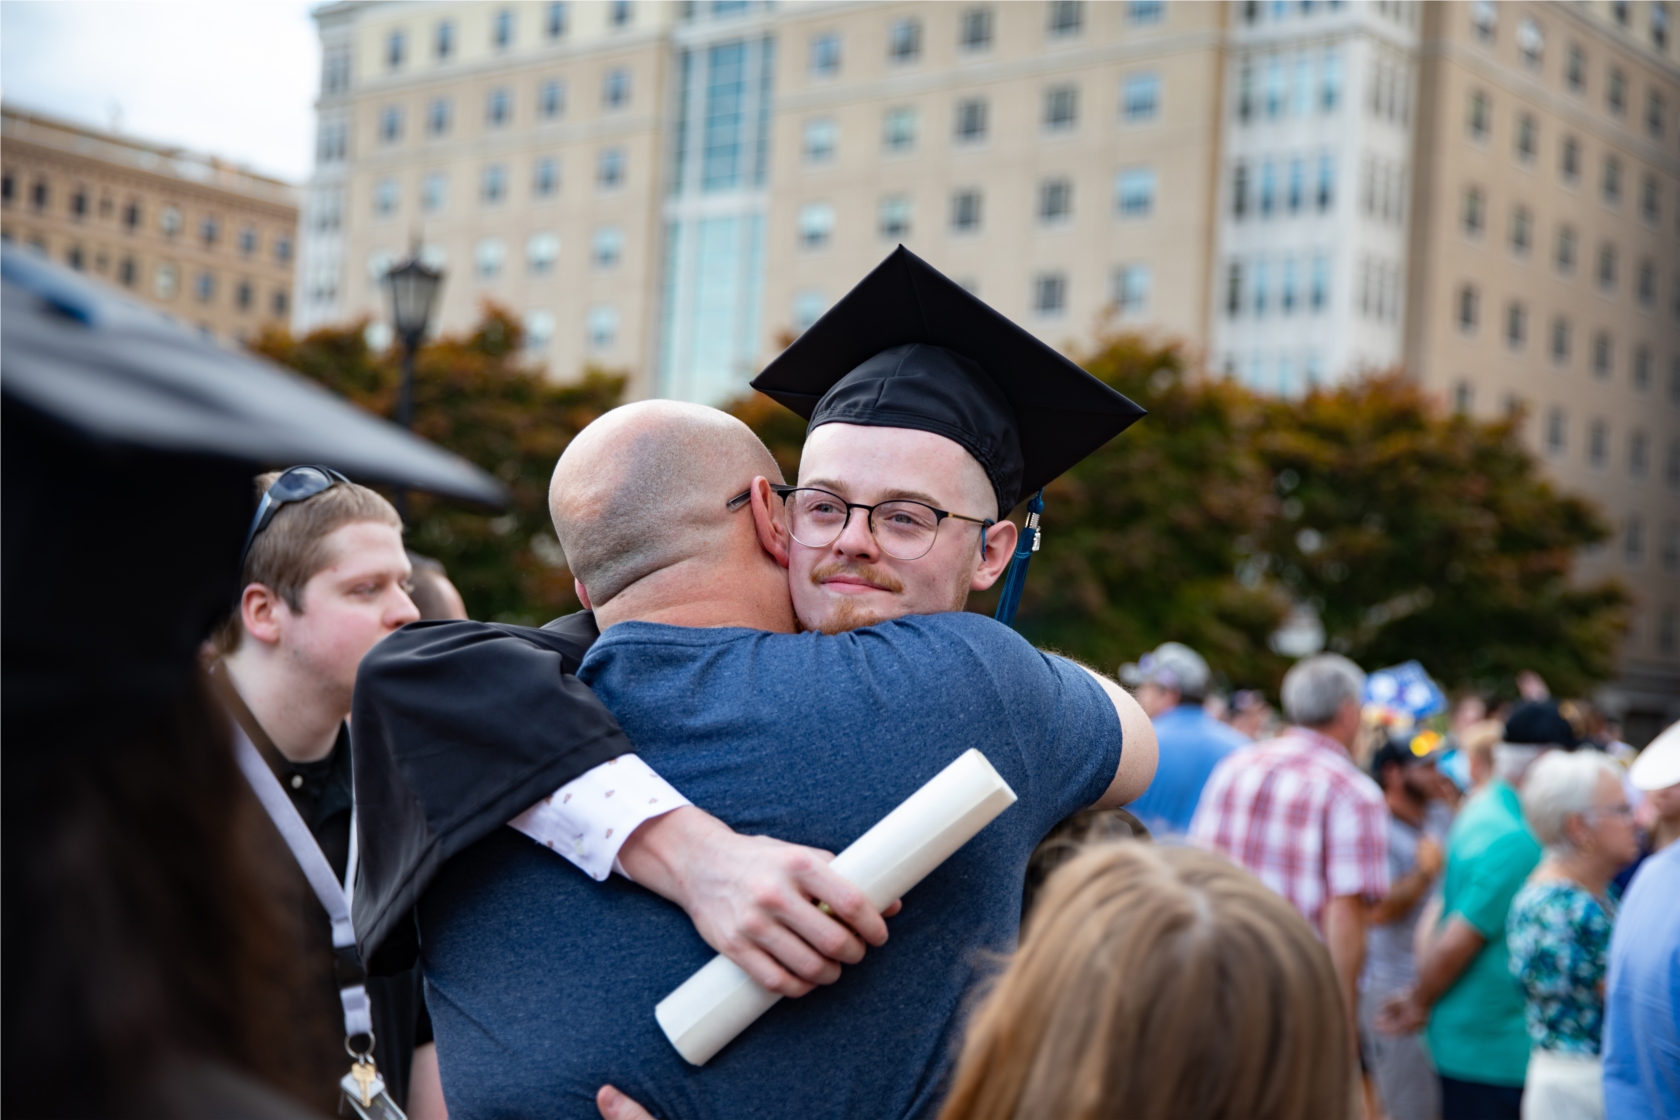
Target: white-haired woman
[1558, 930]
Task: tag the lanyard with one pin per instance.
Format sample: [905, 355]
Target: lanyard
[334, 896]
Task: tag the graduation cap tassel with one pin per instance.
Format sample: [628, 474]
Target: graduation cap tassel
[1016, 578]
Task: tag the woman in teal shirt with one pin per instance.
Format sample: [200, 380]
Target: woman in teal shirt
[1558, 931]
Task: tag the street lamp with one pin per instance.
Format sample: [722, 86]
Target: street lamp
[414, 288]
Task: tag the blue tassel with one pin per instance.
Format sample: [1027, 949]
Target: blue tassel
[1016, 578]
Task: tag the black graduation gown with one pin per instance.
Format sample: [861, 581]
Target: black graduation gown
[458, 728]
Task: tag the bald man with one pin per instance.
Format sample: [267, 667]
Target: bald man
[542, 984]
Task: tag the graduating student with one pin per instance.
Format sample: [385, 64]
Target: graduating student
[461, 727]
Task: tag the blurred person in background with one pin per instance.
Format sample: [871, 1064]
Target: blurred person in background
[1654, 779]
[1464, 990]
[434, 596]
[1405, 1080]
[1559, 927]
[1250, 716]
[1171, 685]
[325, 577]
[1642, 998]
[1298, 814]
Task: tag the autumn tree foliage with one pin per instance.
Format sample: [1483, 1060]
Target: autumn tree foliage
[475, 395]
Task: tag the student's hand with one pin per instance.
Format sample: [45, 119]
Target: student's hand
[753, 898]
[1429, 858]
[614, 1105]
[1402, 1014]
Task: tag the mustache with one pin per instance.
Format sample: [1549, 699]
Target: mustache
[880, 577]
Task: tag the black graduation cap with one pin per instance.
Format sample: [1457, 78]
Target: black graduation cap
[129, 446]
[910, 348]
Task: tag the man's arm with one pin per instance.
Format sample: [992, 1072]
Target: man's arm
[1137, 747]
[1451, 953]
[1344, 936]
[1406, 891]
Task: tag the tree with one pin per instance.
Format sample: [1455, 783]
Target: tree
[1417, 534]
[474, 396]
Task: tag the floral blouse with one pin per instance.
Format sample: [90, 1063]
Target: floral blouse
[1559, 940]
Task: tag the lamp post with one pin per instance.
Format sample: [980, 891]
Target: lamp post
[414, 288]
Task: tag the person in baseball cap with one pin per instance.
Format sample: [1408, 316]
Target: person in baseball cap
[1171, 683]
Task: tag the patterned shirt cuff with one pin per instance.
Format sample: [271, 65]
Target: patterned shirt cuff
[588, 819]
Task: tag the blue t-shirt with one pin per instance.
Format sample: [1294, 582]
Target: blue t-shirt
[1642, 1013]
[542, 983]
[1191, 744]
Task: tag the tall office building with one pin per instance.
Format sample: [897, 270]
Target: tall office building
[206, 242]
[1485, 194]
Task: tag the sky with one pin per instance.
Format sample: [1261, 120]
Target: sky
[234, 78]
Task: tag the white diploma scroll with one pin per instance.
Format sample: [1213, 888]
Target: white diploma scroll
[720, 1001]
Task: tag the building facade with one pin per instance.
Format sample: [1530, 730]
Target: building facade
[209, 244]
[1484, 194]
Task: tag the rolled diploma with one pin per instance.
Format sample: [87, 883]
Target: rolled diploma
[720, 1001]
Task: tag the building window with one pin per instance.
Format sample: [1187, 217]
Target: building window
[551, 99]
[1527, 137]
[816, 225]
[1464, 395]
[1603, 356]
[1484, 20]
[1469, 307]
[209, 230]
[894, 217]
[131, 216]
[1140, 12]
[1330, 81]
[620, 14]
[1531, 41]
[974, 29]
[1615, 91]
[331, 142]
[904, 41]
[1061, 107]
[1131, 290]
[545, 177]
[501, 29]
[488, 257]
[1245, 92]
[385, 198]
[1287, 298]
[396, 48]
[609, 169]
[126, 272]
[1639, 456]
[438, 115]
[1654, 115]
[1327, 182]
[821, 137]
[1642, 370]
[1633, 541]
[434, 192]
[1480, 116]
[1522, 231]
[1297, 184]
[1668, 626]
[1049, 293]
[1516, 326]
[971, 121]
[1134, 192]
[335, 71]
[1475, 212]
[1055, 201]
[825, 55]
[1566, 250]
[556, 20]
[1234, 289]
[1067, 17]
[1659, 24]
[242, 295]
[1645, 287]
[498, 107]
[1607, 267]
[899, 129]
[965, 211]
[493, 186]
[204, 287]
[169, 221]
[283, 249]
[165, 281]
[1140, 98]
[1560, 340]
[606, 248]
[808, 307]
[78, 204]
[1239, 191]
[1268, 188]
[1650, 205]
[615, 88]
[602, 327]
[1261, 287]
[390, 124]
[539, 330]
[1612, 183]
[1619, 9]
[1598, 444]
[1557, 431]
[1575, 69]
[1569, 160]
[443, 40]
[1319, 293]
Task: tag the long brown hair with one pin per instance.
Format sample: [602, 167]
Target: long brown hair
[1158, 982]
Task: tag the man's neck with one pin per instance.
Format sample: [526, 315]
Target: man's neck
[706, 595]
[299, 715]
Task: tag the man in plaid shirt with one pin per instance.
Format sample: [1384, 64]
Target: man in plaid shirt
[1299, 815]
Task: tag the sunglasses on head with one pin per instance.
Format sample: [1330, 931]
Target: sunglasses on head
[297, 484]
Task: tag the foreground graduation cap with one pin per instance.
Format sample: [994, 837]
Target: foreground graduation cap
[910, 348]
[129, 448]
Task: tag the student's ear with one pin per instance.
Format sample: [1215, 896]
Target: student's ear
[583, 596]
[767, 519]
[1000, 546]
[259, 609]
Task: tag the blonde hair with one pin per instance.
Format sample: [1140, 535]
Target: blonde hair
[286, 555]
[1159, 982]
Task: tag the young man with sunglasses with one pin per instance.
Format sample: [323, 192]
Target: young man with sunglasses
[325, 577]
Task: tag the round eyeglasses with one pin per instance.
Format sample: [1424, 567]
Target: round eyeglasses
[904, 529]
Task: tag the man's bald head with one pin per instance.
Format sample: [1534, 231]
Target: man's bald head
[645, 487]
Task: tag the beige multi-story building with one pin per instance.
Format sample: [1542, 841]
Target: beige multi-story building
[1544, 272]
[1300, 191]
[207, 243]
